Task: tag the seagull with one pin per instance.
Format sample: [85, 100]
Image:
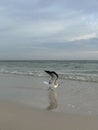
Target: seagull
[54, 77]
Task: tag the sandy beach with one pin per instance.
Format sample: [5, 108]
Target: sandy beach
[15, 116]
[23, 103]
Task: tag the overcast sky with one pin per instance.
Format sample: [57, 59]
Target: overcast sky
[49, 29]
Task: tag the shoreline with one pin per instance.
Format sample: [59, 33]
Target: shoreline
[17, 116]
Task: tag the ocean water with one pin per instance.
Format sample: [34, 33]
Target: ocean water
[22, 81]
[71, 70]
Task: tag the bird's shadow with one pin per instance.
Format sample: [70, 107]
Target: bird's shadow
[52, 97]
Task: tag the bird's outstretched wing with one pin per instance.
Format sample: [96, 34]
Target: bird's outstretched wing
[54, 76]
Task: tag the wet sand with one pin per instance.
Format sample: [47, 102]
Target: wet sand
[14, 116]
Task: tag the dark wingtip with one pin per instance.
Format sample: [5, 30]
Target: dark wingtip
[49, 72]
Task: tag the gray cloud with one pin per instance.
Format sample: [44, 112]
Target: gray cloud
[38, 26]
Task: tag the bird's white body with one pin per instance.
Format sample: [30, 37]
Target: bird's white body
[55, 86]
[52, 85]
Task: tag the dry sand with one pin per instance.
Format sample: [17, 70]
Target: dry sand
[15, 116]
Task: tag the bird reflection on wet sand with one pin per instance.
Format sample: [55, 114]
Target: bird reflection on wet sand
[52, 96]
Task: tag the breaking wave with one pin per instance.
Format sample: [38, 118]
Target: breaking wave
[67, 76]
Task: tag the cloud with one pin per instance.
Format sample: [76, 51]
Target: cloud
[87, 6]
[82, 37]
[46, 29]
